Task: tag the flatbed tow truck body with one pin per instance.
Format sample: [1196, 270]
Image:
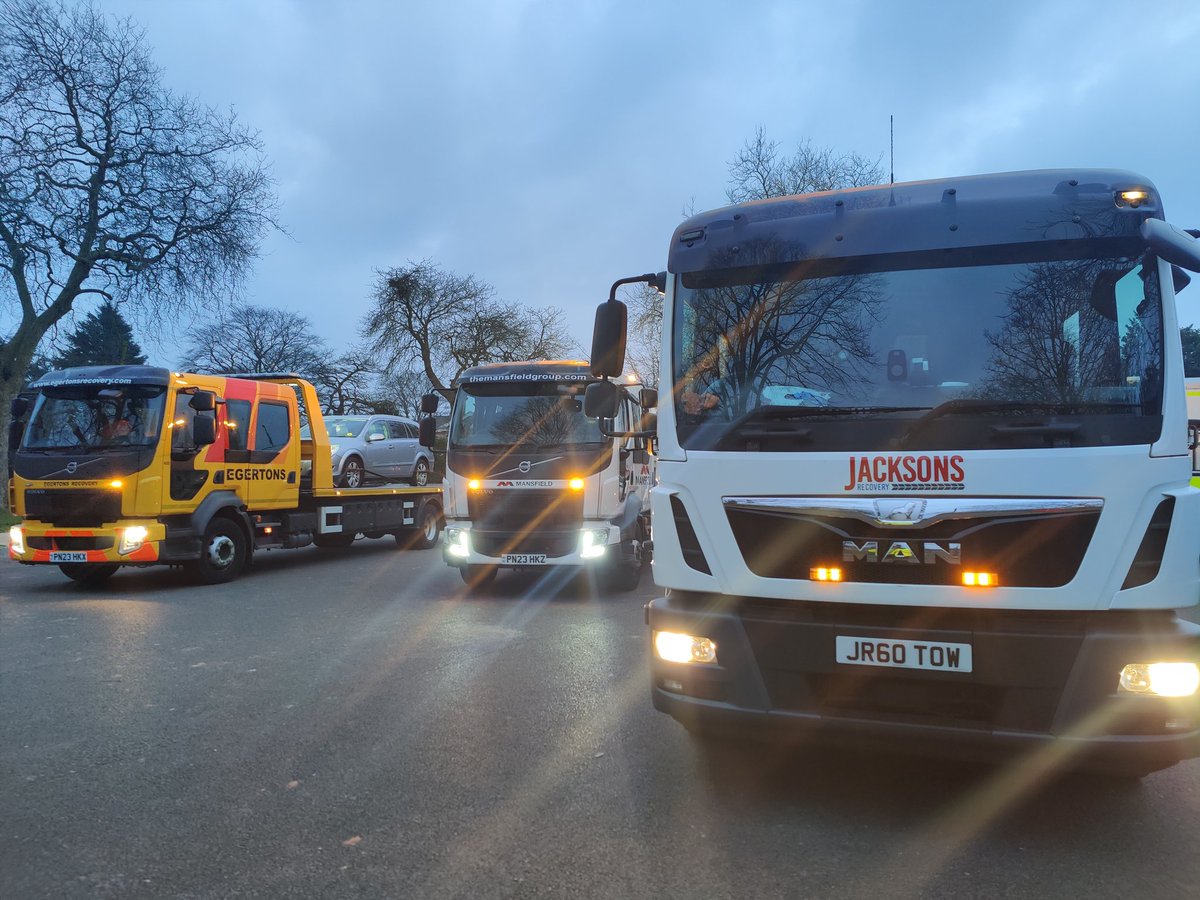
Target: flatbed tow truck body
[137, 465]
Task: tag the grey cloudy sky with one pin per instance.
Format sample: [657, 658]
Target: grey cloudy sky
[550, 147]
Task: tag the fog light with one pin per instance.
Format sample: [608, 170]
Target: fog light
[676, 647]
[825, 573]
[1165, 679]
[456, 542]
[16, 540]
[593, 543]
[132, 539]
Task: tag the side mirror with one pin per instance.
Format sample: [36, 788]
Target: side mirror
[19, 406]
[1175, 245]
[429, 404]
[373, 437]
[608, 340]
[648, 398]
[602, 400]
[203, 401]
[649, 425]
[204, 430]
[427, 432]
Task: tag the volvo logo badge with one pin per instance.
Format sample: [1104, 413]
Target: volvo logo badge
[524, 466]
[71, 467]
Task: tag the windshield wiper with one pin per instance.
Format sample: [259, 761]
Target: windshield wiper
[967, 406]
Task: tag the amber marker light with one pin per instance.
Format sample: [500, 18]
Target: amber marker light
[825, 573]
[980, 579]
[474, 484]
[575, 484]
[116, 483]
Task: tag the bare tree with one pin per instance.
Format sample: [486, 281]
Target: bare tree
[449, 322]
[761, 169]
[402, 391]
[256, 339]
[347, 384]
[108, 180]
[645, 333]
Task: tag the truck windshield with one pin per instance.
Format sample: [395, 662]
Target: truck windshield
[538, 414]
[95, 417]
[966, 350]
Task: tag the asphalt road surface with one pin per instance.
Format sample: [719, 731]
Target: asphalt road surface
[353, 725]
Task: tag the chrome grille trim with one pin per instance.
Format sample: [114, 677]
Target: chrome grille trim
[913, 512]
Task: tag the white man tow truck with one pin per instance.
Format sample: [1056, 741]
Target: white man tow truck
[924, 475]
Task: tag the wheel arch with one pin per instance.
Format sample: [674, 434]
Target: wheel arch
[228, 505]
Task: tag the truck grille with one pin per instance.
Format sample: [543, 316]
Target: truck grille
[525, 511]
[1027, 551]
[69, 543]
[73, 507]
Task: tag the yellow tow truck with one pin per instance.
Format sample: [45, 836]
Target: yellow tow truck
[138, 465]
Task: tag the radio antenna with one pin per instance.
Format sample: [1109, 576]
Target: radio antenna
[892, 145]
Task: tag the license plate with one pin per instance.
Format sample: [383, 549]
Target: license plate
[895, 654]
[68, 556]
[524, 559]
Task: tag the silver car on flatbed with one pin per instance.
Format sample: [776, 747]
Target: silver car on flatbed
[379, 448]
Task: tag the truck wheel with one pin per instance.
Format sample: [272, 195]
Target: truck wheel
[420, 475]
[624, 574]
[222, 552]
[429, 530]
[478, 578]
[337, 541]
[353, 473]
[89, 574]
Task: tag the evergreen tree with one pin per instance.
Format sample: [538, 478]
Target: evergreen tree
[104, 338]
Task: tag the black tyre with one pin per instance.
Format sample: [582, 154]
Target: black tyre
[625, 572]
[223, 552]
[478, 578]
[353, 474]
[429, 530]
[89, 574]
[334, 541]
[420, 475]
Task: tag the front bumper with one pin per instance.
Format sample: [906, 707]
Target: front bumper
[560, 548]
[1039, 680]
[98, 545]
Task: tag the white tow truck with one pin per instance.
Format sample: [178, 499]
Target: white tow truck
[924, 472]
[532, 482]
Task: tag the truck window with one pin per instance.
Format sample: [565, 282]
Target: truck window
[237, 424]
[274, 427]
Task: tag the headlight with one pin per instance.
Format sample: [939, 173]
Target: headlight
[132, 539]
[673, 646]
[456, 542]
[16, 539]
[593, 542]
[1164, 679]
